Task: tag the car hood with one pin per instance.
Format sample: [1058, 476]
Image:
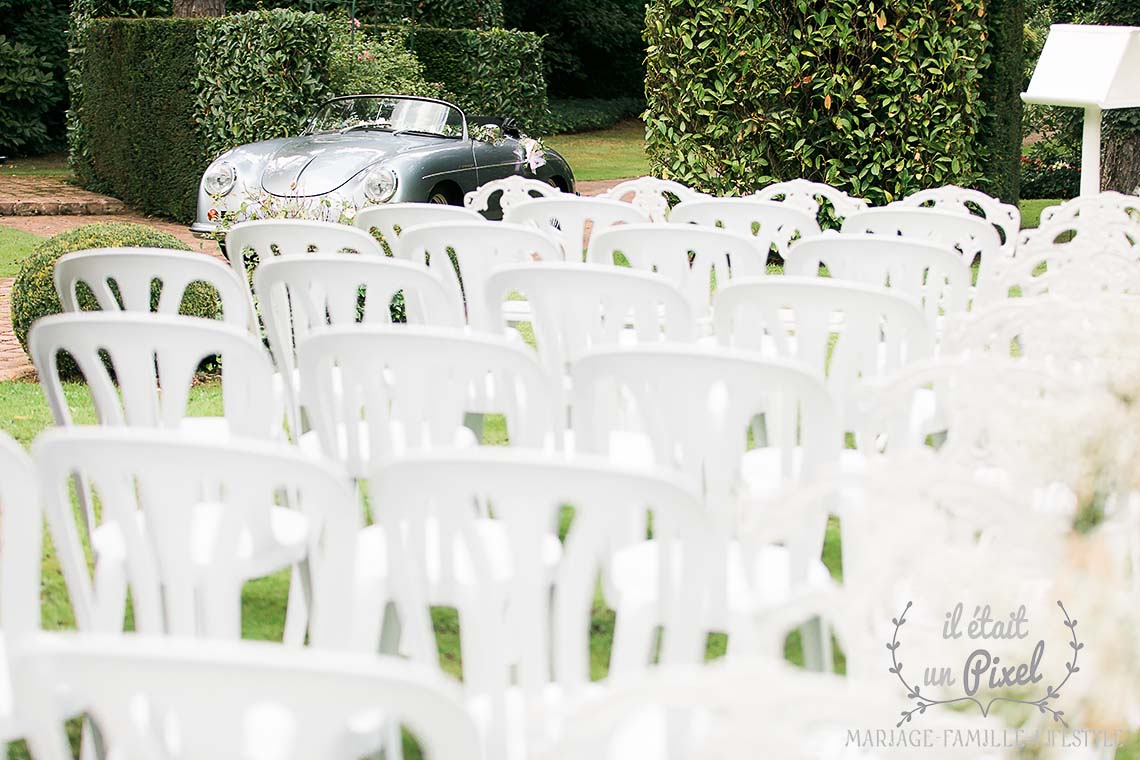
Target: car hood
[318, 164]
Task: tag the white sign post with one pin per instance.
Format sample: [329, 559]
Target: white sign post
[1089, 67]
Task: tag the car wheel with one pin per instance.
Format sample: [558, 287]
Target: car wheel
[439, 197]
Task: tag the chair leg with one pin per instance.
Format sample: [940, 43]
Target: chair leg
[633, 639]
[297, 608]
[816, 638]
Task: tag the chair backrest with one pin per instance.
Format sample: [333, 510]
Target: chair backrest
[428, 498]
[972, 236]
[20, 541]
[572, 220]
[933, 275]
[510, 191]
[129, 279]
[393, 218]
[1107, 206]
[186, 522]
[844, 331]
[771, 225]
[651, 195]
[697, 404]
[306, 293]
[808, 195]
[372, 391]
[478, 248]
[160, 699]
[695, 259]
[1074, 257]
[576, 308]
[1005, 217]
[151, 361]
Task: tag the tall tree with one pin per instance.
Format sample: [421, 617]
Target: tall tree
[198, 8]
[1120, 163]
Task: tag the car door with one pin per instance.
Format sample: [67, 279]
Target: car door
[496, 161]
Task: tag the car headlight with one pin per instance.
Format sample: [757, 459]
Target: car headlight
[380, 185]
[219, 179]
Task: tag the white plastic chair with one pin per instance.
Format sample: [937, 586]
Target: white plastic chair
[1006, 217]
[510, 191]
[933, 275]
[267, 238]
[846, 332]
[185, 523]
[970, 235]
[509, 615]
[373, 392]
[154, 359]
[301, 294]
[692, 258]
[160, 699]
[650, 195]
[393, 218]
[572, 220]
[20, 547]
[478, 249]
[807, 195]
[133, 271]
[1106, 206]
[696, 405]
[769, 224]
[579, 307]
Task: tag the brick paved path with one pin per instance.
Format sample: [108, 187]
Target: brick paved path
[14, 362]
[22, 195]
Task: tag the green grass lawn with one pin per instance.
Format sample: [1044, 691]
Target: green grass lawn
[50, 164]
[15, 245]
[614, 153]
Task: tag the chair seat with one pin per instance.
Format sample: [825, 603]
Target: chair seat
[289, 545]
[310, 443]
[526, 732]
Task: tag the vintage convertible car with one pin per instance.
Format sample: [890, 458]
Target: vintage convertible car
[362, 150]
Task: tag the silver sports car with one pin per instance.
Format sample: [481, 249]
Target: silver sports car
[362, 150]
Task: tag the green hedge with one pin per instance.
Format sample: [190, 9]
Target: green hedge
[445, 14]
[489, 72]
[878, 98]
[1001, 87]
[155, 99]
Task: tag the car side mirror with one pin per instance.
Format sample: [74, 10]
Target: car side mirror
[510, 127]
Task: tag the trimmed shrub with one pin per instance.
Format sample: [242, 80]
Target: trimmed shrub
[446, 14]
[488, 72]
[364, 62]
[460, 14]
[26, 96]
[880, 99]
[1001, 87]
[33, 292]
[260, 75]
[585, 114]
[139, 142]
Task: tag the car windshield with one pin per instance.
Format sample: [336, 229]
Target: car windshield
[388, 114]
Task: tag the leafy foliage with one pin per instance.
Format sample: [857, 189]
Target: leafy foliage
[364, 62]
[33, 64]
[454, 14]
[33, 292]
[490, 72]
[1048, 172]
[1001, 87]
[588, 114]
[593, 48]
[880, 99]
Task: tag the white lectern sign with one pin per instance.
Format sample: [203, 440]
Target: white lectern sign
[1089, 67]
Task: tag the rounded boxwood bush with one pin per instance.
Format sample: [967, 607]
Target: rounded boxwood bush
[33, 292]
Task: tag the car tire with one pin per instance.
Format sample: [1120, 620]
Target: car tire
[439, 197]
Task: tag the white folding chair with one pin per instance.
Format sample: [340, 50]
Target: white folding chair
[696, 405]
[305, 293]
[932, 275]
[846, 332]
[518, 612]
[572, 220]
[808, 195]
[769, 224]
[123, 279]
[185, 523]
[651, 195]
[160, 699]
[393, 218]
[21, 542]
[695, 259]
[374, 392]
[508, 192]
[1005, 217]
[266, 238]
[579, 307]
[478, 248]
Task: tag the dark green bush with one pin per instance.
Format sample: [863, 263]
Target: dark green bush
[585, 114]
[140, 77]
[363, 61]
[446, 14]
[1001, 87]
[1047, 172]
[488, 72]
[33, 292]
[460, 14]
[591, 48]
[880, 99]
[26, 88]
